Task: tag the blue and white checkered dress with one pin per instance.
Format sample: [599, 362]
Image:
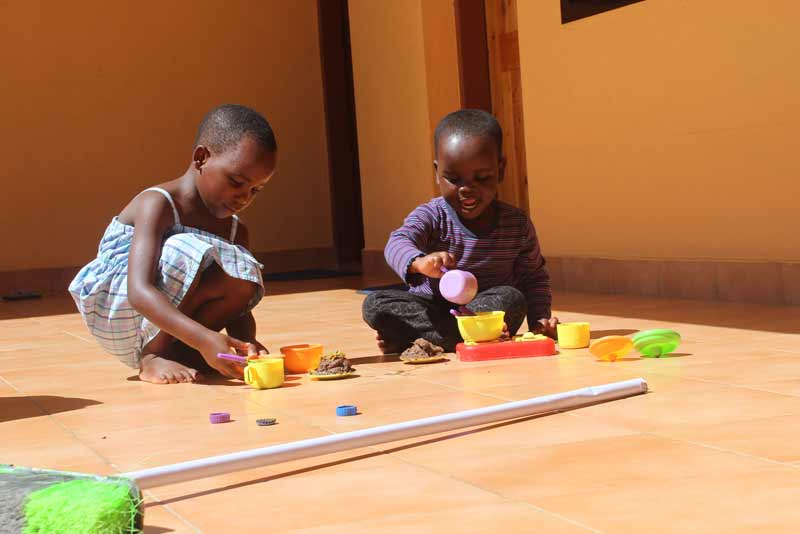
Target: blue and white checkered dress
[100, 289]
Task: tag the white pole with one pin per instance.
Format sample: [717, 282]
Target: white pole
[237, 461]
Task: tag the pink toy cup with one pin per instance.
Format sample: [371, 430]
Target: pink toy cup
[459, 287]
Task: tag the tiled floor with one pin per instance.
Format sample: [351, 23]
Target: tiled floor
[712, 448]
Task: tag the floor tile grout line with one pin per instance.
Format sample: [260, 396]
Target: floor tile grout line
[662, 434]
[106, 461]
[728, 384]
[167, 507]
[77, 336]
[496, 493]
[63, 427]
[717, 448]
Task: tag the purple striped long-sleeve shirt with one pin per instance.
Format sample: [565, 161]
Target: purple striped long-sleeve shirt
[508, 255]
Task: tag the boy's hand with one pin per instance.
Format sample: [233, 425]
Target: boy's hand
[505, 336]
[219, 342]
[431, 265]
[546, 327]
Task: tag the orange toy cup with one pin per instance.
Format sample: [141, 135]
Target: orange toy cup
[301, 358]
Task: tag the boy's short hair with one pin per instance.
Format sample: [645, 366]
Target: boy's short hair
[469, 123]
[224, 126]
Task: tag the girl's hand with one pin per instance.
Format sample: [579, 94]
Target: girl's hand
[431, 265]
[256, 349]
[219, 342]
[546, 327]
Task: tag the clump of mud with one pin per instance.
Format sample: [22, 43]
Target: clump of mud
[334, 363]
[421, 349]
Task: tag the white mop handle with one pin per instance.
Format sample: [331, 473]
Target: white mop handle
[296, 450]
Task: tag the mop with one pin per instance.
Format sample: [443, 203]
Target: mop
[40, 501]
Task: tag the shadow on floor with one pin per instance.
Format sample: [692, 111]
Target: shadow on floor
[22, 407]
[739, 315]
[60, 304]
[454, 435]
[622, 332]
[380, 358]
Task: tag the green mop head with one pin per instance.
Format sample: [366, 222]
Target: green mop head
[38, 501]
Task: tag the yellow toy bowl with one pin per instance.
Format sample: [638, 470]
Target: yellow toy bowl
[483, 326]
[301, 358]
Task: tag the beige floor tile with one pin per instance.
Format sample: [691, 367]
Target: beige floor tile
[162, 520]
[506, 517]
[41, 442]
[702, 451]
[759, 500]
[595, 464]
[746, 371]
[368, 489]
[691, 403]
[773, 438]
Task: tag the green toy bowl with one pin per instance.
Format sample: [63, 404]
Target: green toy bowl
[656, 343]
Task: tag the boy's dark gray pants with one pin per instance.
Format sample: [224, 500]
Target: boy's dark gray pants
[401, 317]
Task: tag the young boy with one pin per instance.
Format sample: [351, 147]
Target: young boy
[465, 228]
[173, 268]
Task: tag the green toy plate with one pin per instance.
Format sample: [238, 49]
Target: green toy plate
[656, 343]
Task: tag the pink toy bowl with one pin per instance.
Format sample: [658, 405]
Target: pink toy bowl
[301, 358]
[459, 287]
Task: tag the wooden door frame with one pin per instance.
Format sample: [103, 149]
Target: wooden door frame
[485, 54]
[341, 132]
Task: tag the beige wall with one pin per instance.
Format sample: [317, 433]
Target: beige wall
[664, 129]
[398, 96]
[99, 100]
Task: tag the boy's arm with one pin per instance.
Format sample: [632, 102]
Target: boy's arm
[153, 218]
[533, 279]
[408, 243]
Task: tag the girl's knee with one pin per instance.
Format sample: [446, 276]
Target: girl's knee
[216, 280]
[243, 290]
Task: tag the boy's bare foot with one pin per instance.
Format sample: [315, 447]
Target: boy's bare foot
[386, 348]
[158, 370]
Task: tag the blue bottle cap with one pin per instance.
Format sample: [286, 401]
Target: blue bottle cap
[345, 410]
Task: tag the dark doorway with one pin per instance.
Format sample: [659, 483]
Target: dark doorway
[473, 55]
[340, 119]
[578, 9]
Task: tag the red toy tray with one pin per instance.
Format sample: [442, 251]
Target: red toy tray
[505, 349]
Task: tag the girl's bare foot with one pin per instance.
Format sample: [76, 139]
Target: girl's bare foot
[386, 348]
[159, 370]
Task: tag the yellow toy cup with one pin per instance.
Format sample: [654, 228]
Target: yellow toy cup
[483, 326]
[301, 358]
[573, 335]
[264, 373]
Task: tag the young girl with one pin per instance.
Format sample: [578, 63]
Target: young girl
[173, 269]
[466, 228]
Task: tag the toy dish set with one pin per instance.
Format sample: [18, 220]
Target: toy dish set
[481, 331]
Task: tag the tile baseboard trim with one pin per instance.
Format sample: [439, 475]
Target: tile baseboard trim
[764, 282]
[374, 266]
